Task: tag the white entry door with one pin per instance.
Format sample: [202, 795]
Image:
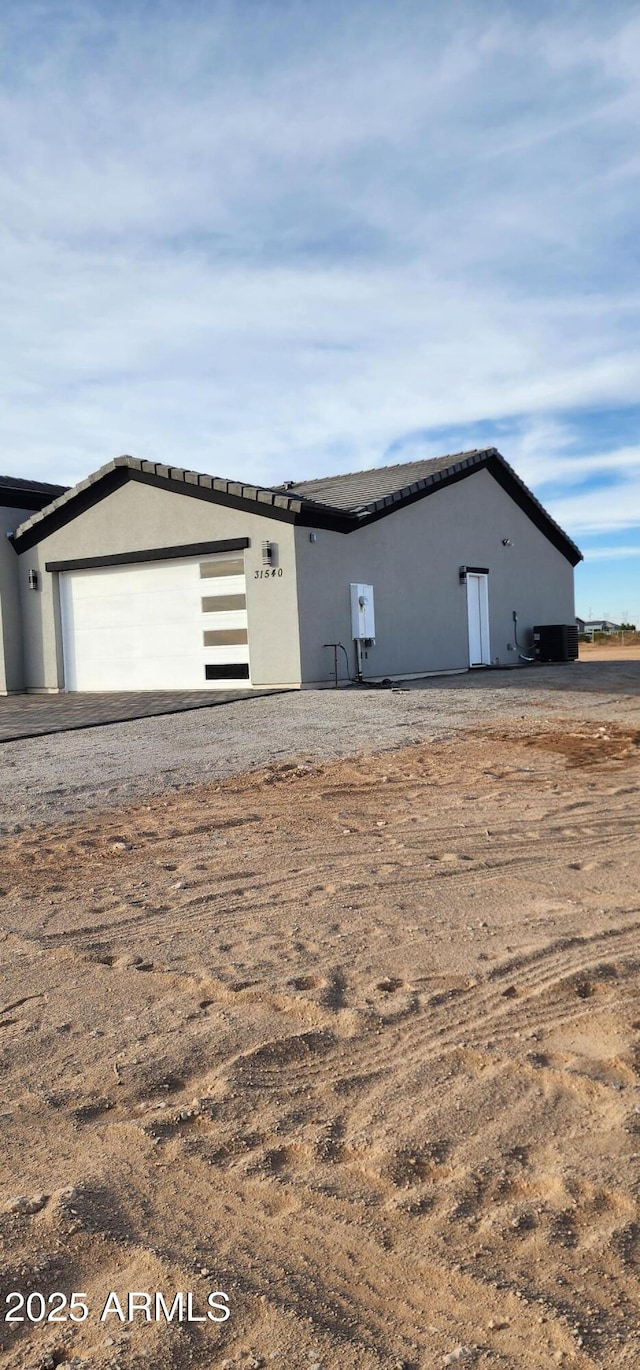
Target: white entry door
[478, 618]
[172, 625]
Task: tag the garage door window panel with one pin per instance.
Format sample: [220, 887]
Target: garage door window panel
[234, 670]
[218, 604]
[225, 637]
[214, 570]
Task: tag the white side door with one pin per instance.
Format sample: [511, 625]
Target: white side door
[478, 618]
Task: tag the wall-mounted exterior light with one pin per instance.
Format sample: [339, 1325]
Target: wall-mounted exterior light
[33, 580]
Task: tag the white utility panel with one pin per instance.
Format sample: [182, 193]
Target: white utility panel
[363, 623]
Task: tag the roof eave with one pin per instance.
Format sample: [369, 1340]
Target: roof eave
[279, 504]
[271, 502]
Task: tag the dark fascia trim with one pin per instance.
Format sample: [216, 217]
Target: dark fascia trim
[492, 463]
[113, 480]
[533, 510]
[476, 570]
[190, 549]
[331, 520]
[349, 522]
[24, 499]
[180, 487]
[58, 518]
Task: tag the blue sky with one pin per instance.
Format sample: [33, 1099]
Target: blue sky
[273, 239]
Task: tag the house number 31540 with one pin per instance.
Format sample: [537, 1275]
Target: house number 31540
[267, 572]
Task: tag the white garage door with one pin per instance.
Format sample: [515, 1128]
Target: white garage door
[162, 625]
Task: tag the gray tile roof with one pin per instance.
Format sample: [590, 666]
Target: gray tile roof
[31, 487]
[365, 490]
[363, 494]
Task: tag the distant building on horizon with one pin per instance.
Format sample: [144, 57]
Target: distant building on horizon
[597, 625]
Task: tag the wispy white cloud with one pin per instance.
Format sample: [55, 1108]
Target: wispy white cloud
[613, 553]
[600, 510]
[587, 492]
[279, 240]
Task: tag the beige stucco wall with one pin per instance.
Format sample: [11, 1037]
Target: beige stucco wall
[138, 517]
[412, 559]
[11, 659]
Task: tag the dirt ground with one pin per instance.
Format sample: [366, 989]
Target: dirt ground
[355, 1042]
[629, 650]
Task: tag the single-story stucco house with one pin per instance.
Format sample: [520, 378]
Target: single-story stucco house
[147, 576]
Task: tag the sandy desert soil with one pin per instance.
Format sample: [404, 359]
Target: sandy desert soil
[629, 650]
[356, 1042]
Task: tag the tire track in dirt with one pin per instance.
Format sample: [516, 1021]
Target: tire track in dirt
[383, 1142]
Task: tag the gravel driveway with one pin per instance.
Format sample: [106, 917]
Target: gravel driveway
[59, 775]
